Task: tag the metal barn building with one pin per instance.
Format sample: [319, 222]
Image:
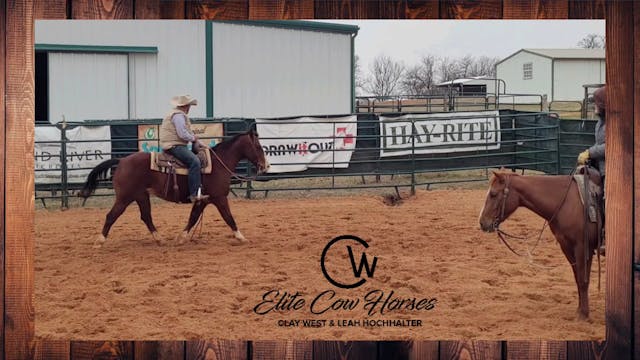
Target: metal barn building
[557, 73]
[128, 69]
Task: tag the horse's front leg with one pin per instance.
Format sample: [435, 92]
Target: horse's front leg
[582, 273]
[222, 204]
[196, 211]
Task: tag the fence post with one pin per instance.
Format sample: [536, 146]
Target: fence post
[63, 164]
[248, 192]
[558, 131]
[249, 188]
[413, 159]
[333, 155]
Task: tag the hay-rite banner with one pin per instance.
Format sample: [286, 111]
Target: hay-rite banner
[210, 134]
[307, 142]
[439, 133]
[82, 152]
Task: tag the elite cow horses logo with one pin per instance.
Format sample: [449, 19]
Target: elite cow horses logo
[357, 269]
[345, 265]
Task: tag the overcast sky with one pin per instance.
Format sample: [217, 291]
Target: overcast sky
[407, 40]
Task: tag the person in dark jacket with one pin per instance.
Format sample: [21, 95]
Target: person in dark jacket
[596, 153]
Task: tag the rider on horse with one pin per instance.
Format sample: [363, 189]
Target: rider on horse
[596, 154]
[175, 135]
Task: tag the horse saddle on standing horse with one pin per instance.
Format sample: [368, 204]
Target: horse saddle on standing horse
[590, 187]
[167, 163]
[591, 194]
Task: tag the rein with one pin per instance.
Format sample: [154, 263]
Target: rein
[233, 174]
[502, 234]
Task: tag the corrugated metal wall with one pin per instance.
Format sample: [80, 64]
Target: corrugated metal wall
[178, 67]
[272, 72]
[258, 71]
[87, 86]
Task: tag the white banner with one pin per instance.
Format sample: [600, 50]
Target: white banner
[79, 154]
[301, 143]
[439, 133]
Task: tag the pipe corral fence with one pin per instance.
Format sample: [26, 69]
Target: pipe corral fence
[447, 100]
[536, 141]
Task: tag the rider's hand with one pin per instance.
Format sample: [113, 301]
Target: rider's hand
[583, 157]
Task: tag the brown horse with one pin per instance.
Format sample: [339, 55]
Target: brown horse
[557, 200]
[134, 180]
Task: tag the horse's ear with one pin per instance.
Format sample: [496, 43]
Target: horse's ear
[499, 176]
[252, 130]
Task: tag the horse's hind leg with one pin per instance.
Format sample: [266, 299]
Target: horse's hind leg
[222, 204]
[145, 214]
[196, 211]
[113, 215]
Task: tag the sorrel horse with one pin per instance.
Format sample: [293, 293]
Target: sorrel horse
[556, 199]
[134, 181]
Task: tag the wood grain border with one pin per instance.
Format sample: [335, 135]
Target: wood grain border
[17, 178]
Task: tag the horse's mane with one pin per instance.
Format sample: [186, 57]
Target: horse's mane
[227, 143]
[501, 172]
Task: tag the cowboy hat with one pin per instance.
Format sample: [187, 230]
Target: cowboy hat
[182, 100]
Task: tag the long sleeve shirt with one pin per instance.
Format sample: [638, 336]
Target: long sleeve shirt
[596, 152]
[180, 123]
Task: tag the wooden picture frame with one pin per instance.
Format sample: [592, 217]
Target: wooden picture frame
[17, 176]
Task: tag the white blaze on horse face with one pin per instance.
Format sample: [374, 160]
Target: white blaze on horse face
[485, 204]
[267, 164]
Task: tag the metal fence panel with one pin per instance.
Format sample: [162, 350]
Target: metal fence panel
[529, 141]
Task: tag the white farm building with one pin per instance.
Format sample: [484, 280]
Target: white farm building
[557, 73]
[101, 70]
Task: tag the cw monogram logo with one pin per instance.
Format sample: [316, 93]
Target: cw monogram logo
[364, 264]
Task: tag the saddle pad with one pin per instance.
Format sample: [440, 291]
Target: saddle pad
[593, 189]
[163, 162]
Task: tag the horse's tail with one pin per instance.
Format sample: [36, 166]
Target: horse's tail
[98, 173]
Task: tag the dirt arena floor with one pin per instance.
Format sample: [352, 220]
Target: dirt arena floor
[429, 247]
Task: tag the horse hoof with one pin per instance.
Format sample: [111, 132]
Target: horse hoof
[238, 242]
[158, 239]
[99, 241]
[182, 238]
[582, 316]
[238, 235]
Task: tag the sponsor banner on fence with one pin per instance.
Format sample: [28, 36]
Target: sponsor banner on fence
[307, 142]
[210, 134]
[439, 133]
[87, 146]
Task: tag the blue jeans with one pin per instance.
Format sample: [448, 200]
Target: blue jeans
[182, 153]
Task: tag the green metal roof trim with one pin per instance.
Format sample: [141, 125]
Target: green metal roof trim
[298, 25]
[96, 48]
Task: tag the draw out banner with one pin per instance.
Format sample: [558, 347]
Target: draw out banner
[307, 142]
[210, 134]
[87, 147]
[431, 133]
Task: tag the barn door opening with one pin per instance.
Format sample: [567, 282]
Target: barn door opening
[42, 88]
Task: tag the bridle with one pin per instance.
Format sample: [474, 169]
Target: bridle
[498, 220]
[232, 173]
[505, 193]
